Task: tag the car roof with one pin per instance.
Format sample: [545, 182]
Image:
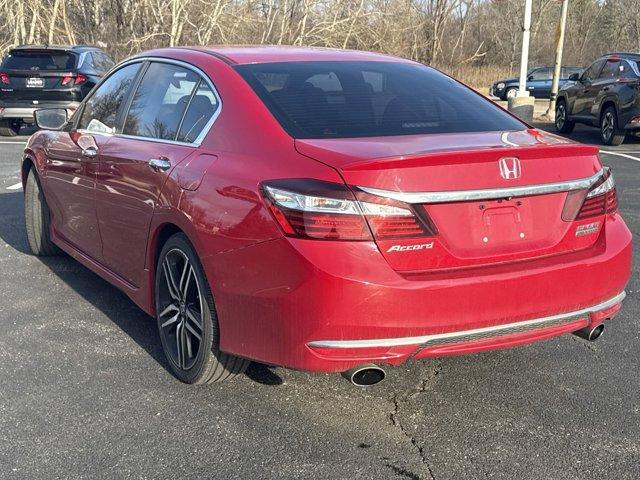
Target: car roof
[243, 54]
[69, 48]
[627, 55]
[553, 66]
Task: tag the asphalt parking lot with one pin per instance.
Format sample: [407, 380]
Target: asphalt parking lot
[85, 391]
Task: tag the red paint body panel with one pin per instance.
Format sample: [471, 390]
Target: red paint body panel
[275, 294]
[348, 291]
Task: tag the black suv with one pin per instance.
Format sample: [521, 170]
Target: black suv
[33, 77]
[606, 95]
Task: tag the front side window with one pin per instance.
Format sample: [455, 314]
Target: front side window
[160, 101]
[592, 72]
[101, 109]
[568, 71]
[366, 99]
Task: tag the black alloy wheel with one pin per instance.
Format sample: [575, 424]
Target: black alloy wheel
[187, 320]
[609, 131]
[563, 124]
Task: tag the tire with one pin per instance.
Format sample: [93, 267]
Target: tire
[510, 93]
[187, 320]
[37, 218]
[610, 133]
[10, 128]
[563, 124]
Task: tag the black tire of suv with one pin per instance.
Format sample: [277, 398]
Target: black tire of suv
[37, 219]
[210, 365]
[9, 128]
[563, 124]
[613, 135]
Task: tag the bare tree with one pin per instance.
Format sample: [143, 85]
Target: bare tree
[462, 37]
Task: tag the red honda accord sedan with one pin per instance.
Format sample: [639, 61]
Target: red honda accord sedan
[324, 210]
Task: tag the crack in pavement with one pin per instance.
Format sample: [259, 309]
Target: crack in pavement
[395, 421]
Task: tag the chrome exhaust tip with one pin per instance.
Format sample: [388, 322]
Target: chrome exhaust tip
[365, 375]
[590, 334]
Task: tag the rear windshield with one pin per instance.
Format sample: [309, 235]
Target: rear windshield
[26, 60]
[366, 99]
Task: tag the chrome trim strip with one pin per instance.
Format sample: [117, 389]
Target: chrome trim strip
[471, 195]
[426, 339]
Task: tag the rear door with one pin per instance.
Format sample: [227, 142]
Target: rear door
[38, 75]
[603, 84]
[156, 136]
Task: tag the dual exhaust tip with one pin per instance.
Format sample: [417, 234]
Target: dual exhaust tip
[370, 374]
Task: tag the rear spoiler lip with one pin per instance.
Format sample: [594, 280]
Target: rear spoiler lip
[486, 194]
[456, 155]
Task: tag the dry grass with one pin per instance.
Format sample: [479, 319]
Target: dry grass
[480, 77]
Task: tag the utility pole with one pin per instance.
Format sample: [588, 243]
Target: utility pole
[524, 59]
[522, 104]
[556, 70]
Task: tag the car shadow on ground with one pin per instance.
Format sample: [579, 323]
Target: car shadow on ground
[103, 296]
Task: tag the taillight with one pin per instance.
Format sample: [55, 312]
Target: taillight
[600, 199]
[72, 80]
[4, 78]
[330, 211]
[391, 219]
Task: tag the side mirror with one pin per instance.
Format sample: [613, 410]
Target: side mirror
[574, 77]
[50, 118]
[530, 77]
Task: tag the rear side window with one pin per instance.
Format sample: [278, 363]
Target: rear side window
[541, 74]
[201, 108]
[160, 101]
[627, 69]
[365, 99]
[26, 60]
[102, 108]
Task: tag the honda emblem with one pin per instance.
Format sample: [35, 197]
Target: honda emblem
[509, 168]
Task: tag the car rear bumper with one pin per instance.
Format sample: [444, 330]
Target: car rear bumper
[25, 113]
[329, 306]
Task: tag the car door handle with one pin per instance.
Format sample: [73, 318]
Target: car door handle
[90, 152]
[160, 164]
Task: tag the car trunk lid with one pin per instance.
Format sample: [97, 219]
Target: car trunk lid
[464, 184]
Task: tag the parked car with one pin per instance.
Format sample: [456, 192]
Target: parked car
[34, 77]
[606, 95]
[322, 210]
[538, 82]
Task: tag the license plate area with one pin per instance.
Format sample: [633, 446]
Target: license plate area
[35, 82]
